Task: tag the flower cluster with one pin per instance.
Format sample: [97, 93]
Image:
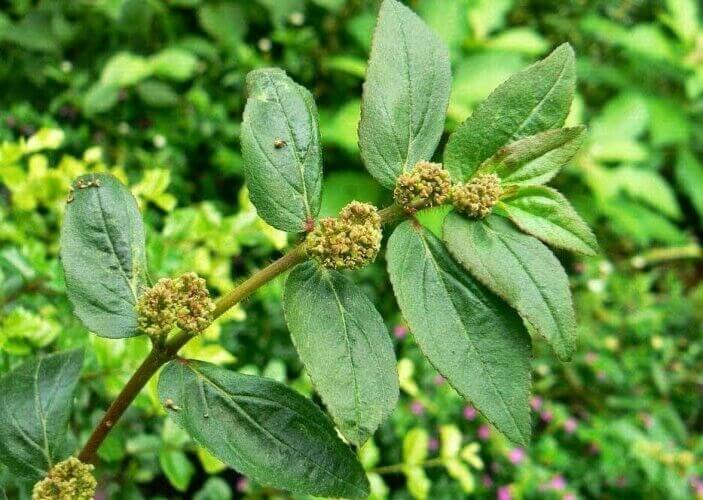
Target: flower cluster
[67, 480]
[183, 302]
[477, 197]
[349, 241]
[427, 183]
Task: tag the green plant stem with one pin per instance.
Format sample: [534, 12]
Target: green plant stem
[398, 468]
[160, 356]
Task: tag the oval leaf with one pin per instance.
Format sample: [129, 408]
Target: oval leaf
[521, 270]
[468, 334]
[261, 428]
[35, 406]
[545, 214]
[103, 255]
[531, 101]
[345, 346]
[281, 149]
[405, 94]
[536, 159]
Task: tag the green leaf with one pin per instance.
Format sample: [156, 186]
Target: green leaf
[124, 70]
[535, 159]
[35, 406]
[546, 214]
[103, 256]
[415, 446]
[281, 149]
[345, 346]
[650, 188]
[689, 176]
[225, 22]
[261, 428]
[521, 270]
[405, 95]
[174, 64]
[177, 468]
[100, 97]
[469, 335]
[157, 94]
[531, 101]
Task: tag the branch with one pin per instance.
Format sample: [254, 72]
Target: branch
[159, 357]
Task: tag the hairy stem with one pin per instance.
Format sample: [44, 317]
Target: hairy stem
[160, 356]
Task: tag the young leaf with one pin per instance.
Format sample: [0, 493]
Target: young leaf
[520, 269]
[535, 159]
[281, 149]
[531, 101]
[103, 255]
[345, 347]
[405, 95]
[468, 334]
[261, 428]
[544, 213]
[35, 406]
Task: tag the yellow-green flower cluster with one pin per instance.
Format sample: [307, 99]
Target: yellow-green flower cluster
[427, 183]
[349, 241]
[183, 302]
[67, 480]
[477, 197]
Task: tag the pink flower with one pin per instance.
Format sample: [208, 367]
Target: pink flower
[487, 481]
[439, 380]
[484, 432]
[400, 331]
[569, 496]
[557, 483]
[417, 408]
[242, 484]
[516, 455]
[469, 412]
[536, 403]
[547, 416]
[570, 425]
[504, 493]
[433, 444]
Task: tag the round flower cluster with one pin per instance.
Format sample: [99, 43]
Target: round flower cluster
[349, 241]
[183, 302]
[426, 182]
[67, 480]
[477, 197]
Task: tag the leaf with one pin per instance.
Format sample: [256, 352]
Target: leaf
[535, 159]
[281, 150]
[103, 256]
[468, 334]
[521, 270]
[157, 94]
[544, 213]
[345, 346]
[225, 22]
[35, 406]
[415, 446]
[174, 64]
[531, 101]
[650, 188]
[124, 70]
[100, 97]
[405, 94]
[261, 428]
[177, 468]
[689, 176]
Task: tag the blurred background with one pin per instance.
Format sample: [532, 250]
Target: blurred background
[153, 90]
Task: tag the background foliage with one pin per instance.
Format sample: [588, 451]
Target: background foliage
[152, 91]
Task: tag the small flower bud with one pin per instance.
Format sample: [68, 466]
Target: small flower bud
[196, 307]
[67, 480]
[427, 182]
[349, 241]
[477, 197]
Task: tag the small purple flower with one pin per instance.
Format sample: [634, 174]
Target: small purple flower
[469, 412]
[504, 493]
[557, 483]
[570, 425]
[536, 403]
[547, 416]
[242, 484]
[433, 444]
[417, 408]
[400, 331]
[516, 455]
[569, 496]
[484, 432]
[487, 481]
[439, 380]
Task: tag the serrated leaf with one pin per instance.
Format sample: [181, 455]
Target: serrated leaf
[35, 405]
[405, 96]
[345, 346]
[469, 335]
[535, 159]
[546, 214]
[281, 149]
[521, 270]
[531, 101]
[650, 188]
[103, 255]
[261, 428]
